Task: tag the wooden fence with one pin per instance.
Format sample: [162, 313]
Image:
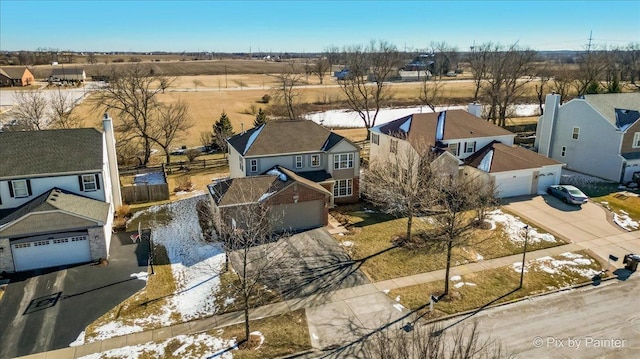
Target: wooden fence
[145, 193]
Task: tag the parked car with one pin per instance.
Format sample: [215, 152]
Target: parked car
[568, 194]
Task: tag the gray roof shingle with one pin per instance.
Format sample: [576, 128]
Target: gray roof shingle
[32, 153]
[607, 104]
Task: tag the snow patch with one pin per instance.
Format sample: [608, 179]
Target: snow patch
[265, 196]
[399, 307]
[142, 276]
[515, 229]
[624, 221]
[212, 346]
[229, 301]
[259, 335]
[485, 163]
[275, 172]
[574, 262]
[79, 341]
[461, 284]
[397, 298]
[456, 278]
[346, 243]
[479, 257]
[386, 291]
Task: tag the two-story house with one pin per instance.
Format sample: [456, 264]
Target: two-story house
[595, 134]
[304, 147]
[468, 143]
[58, 192]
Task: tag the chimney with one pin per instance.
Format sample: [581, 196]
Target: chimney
[546, 125]
[110, 144]
[475, 109]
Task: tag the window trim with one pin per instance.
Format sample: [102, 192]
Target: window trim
[318, 160]
[473, 147]
[347, 187]
[575, 135]
[636, 140]
[27, 188]
[375, 138]
[253, 164]
[457, 148]
[91, 180]
[298, 162]
[393, 146]
[338, 161]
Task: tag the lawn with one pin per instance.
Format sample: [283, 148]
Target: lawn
[371, 233]
[228, 298]
[625, 207]
[499, 285]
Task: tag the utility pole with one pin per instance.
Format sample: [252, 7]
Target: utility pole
[590, 39]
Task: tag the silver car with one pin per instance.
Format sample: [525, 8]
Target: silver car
[568, 194]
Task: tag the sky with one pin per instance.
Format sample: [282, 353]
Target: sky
[311, 26]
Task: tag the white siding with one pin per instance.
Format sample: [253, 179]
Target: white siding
[234, 164]
[44, 184]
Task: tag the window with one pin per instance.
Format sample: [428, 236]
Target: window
[343, 188]
[564, 151]
[453, 148]
[469, 147]
[315, 160]
[342, 161]
[576, 133]
[88, 183]
[375, 138]
[636, 140]
[241, 163]
[298, 161]
[254, 165]
[393, 146]
[20, 188]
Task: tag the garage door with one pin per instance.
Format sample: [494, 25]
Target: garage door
[301, 215]
[50, 252]
[545, 180]
[514, 186]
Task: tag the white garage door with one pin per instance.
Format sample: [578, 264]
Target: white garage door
[513, 186]
[301, 215]
[545, 180]
[43, 253]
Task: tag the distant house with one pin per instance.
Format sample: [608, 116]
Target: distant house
[294, 203]
[67, 74]
[58, 193]
[15, 76]
[596, 134]
[467, 144]
[303, 147]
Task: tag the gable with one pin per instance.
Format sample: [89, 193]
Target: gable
[45, 222]
[343, 146]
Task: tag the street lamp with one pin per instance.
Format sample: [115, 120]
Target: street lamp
[524, 253]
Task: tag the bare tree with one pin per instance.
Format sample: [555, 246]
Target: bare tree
[249, 232]
[172, 120]
[320, 68]
[430, 342]
[563, 81]
[431, 93]
[30, 110]
[631, 63]
[457, 196]
[445, 57]
[478, 60]
[132, 93]
[402, 185]
[197, 83]
[91, 58]
[592, 66]
[61, 114]
[332, 54]
[378, 61]
[286, 94]
[541, 86]
[509, 70]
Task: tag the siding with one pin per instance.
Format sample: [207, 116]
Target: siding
[627, 140]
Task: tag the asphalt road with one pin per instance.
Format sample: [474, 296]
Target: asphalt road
[592, 322]
[47, 310]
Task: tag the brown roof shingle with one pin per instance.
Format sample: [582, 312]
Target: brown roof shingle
[506, 158]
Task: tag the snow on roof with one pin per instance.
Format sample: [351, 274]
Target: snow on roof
[276, 172]
[485, 164]
[252, 138]
[440, 126]
[406, 125]
[265, 196]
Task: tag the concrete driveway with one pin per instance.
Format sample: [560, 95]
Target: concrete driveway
[306, 263]
[587, 226]
[574, 223]
[47, 309]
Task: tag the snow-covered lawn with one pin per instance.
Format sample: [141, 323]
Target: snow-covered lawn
[351, 119]
[515, 228]
[624, 221]
[565, 262]
[183, 346]
[195, 265]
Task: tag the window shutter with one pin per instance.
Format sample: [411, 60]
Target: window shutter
[29, 187]
[11, 190]
[474, 146]
[97, 181]
[80, 183]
